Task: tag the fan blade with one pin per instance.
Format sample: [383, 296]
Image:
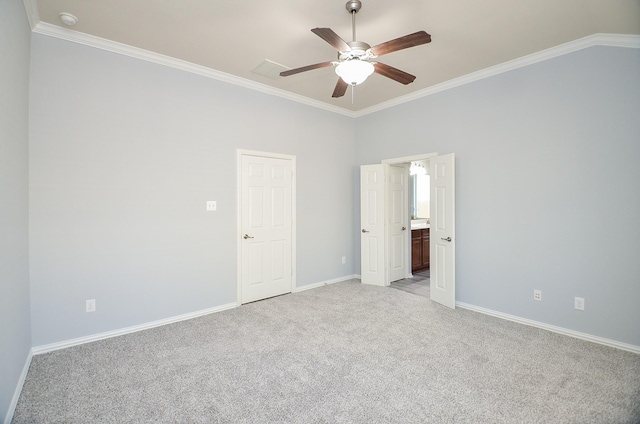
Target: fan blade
[394, 73]
[332, 38]
[305, 68]
[341, 88]
[411, 40]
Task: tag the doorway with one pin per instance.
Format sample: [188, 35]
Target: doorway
[419, 277]
[266, 225]
[420, 207]
[411, 194]
[441, 225]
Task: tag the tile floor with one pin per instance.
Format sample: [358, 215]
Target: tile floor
[418, 284]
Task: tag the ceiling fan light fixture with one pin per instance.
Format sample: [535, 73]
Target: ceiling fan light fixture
[417, 168]
[354, 71]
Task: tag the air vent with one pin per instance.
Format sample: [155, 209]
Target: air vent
[269, 69]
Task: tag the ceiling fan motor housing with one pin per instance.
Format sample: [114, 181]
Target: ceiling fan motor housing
[358, 50]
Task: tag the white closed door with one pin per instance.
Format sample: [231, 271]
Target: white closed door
[398, 221]
[372, 231]
[266, 227]
[442, 252]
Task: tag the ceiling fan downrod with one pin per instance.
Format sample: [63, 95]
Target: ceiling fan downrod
[353, 7]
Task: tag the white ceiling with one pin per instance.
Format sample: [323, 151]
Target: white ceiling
[236, 36]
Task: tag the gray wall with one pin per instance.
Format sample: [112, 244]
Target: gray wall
[15, 327]
[124, 153]
[123, 156]
[548, 186]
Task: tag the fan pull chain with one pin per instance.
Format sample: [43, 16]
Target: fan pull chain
[353, 89]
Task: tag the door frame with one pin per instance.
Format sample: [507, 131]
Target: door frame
[401, 161]
[239, 154]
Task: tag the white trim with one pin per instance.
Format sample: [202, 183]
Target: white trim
[265, 154]
[610, 40]
[18, 389]
[31, 7]
[555, 329]
[37, 350]
[409, 159]
[326, 283]
[238, 227]
[146, 55]
[292, 158]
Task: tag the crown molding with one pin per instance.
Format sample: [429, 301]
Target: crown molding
[31, 7]
[146, 55]
[611, 40]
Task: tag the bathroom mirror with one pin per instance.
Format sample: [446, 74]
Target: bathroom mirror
[420, 190]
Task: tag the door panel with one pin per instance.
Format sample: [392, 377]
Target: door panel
[372, 233]
[416, 253]
[442, 232]
[426, 248]
[397, 177]
[266, 227]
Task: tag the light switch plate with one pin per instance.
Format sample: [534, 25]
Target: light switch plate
[91, 305]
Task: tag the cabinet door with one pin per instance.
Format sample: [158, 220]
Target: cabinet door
[416, 253]
[426, 239]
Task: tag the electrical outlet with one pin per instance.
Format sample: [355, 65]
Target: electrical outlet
[344, 260]
[537, 295]
[579, 303]
[91, 305]
[211, 205]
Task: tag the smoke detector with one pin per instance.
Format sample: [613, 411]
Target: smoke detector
[68, 19]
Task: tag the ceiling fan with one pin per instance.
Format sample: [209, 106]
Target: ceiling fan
[355, 63]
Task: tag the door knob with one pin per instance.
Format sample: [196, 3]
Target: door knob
[404, 228]
[247, 236]
[364, 231]
[446, 239]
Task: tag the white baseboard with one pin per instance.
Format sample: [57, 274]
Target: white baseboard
[18, 390]
[37, 350]
[324, 283]
[555, 329]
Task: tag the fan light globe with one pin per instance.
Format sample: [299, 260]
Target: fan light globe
[355, 71]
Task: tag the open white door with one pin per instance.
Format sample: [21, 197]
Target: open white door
[372, 232]
[443, 278]
[398, 222]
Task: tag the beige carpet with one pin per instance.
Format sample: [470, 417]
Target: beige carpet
[344, 353]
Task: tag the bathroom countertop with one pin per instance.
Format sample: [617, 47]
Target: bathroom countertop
[418, 224]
